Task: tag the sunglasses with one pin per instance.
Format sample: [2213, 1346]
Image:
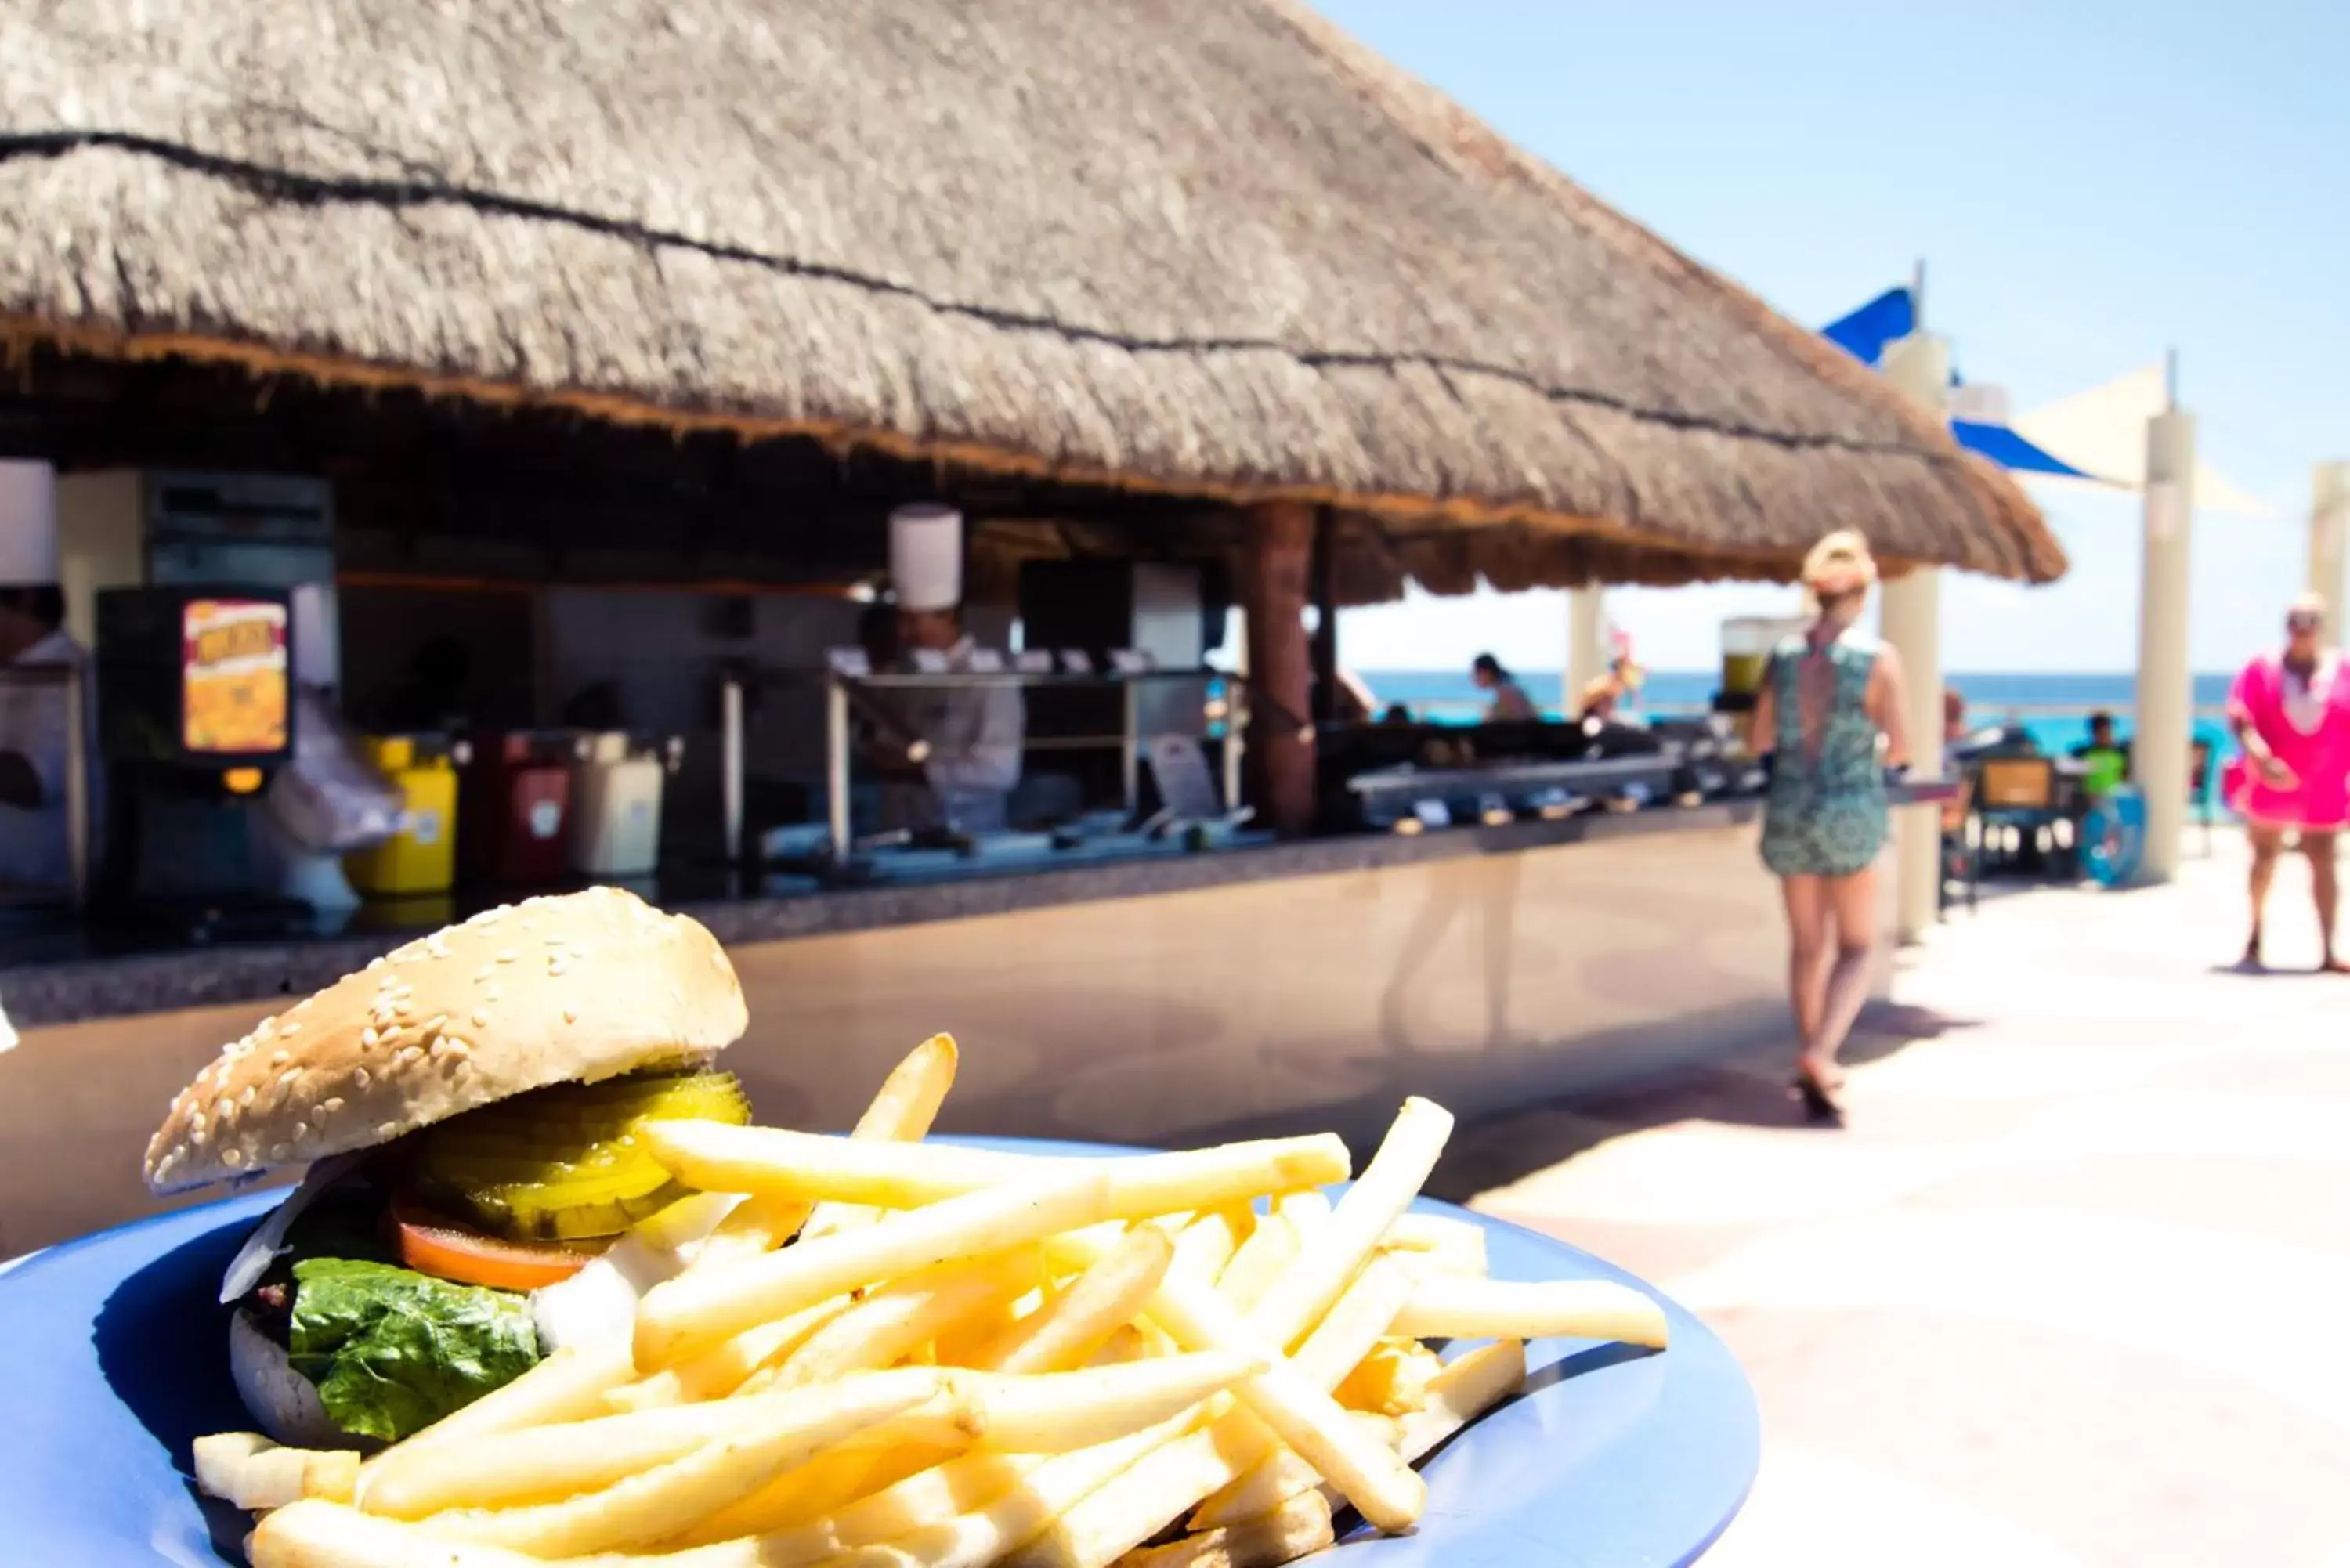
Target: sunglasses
[2303, 622]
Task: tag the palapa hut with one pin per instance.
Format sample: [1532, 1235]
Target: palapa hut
[1199, 269]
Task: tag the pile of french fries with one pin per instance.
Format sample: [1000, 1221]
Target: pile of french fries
[965, 1357]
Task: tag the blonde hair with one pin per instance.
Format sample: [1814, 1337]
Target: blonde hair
[1839, 564]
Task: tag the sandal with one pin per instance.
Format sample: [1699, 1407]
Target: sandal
[1821, 1097]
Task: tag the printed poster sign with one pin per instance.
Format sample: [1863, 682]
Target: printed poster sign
[232, 677]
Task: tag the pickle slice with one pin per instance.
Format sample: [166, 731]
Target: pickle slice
[564, 1163]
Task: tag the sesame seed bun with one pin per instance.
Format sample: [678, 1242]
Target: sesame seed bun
[551, 990]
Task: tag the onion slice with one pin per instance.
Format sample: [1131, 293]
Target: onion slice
[268, 1239]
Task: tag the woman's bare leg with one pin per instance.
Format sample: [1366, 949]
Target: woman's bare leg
[2319, 848]
[1807, 953]
[1853, 901]
[2267, 844]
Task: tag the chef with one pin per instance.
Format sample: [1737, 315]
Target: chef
[36, 852]
[957, 756]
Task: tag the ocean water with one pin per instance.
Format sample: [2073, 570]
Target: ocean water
[2055, 708]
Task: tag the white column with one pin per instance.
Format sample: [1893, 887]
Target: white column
[1909, 617]
[2329, 523]
[2160, 747]
[1587, 643]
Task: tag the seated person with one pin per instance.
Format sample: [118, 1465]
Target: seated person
[1396, 713]
[1509, 703]
[2106, 762]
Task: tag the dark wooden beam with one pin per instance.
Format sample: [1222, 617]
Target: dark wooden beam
[1325, 649]
[1273, 589]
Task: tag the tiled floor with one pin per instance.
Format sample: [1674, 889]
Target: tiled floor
[2073, 1286]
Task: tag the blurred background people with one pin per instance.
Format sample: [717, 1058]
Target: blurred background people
[2290, 710]
[1828, 696]
[1506, 700]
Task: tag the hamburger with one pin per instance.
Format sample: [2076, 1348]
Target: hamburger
[466, 1107]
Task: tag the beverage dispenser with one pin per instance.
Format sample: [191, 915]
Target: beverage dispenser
[1746, 645]
[616, 796]
[515, 810]
[422, 856]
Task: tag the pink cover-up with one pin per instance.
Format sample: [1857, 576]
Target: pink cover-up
[2309, 729]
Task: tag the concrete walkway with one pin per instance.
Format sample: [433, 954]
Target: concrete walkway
[2072, 1288]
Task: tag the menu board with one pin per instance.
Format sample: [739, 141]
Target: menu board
[232, 677]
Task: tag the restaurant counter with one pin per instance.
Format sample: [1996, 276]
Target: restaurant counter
[1167, 1000]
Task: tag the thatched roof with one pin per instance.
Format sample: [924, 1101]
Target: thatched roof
[1205, 247]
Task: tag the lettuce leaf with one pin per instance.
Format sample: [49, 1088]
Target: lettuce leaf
[392, 1351]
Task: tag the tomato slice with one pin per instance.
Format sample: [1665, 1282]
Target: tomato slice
[431, 1245]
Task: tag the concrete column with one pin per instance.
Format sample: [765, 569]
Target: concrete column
[2329, 523]
[1909, 617]
[2165, 687]
[1272, 590]
[1586, 644]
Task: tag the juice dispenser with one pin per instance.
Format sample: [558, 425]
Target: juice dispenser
[513, 811]
[616, 805]
[421, 857]
[1746, 645]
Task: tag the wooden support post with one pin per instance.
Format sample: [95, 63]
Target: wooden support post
[1324, 648]
[1272, 590]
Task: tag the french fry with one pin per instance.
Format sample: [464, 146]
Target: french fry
[694, 1313]
[1467, 1387]
[1297, 1300]
[655, 1504]
[729, 1367]
[1308, 1212]
[1061, 1411]
[1125, 1344]
[320, 1535]
[1131, 1507]
[1386, 1490]
[573, 1456]
[1099, 1304]
[1392, 1380]
[1272, 1247]
[1300, 1525]
[966, 1484]
[570, 1385]
[1276, 1478]
[1204, 1248]
[823, 1486]
[890, 1322]
[903, 1110]
[250, 1471]
[1441, 1306]
[721, 1157]
[976, 1539]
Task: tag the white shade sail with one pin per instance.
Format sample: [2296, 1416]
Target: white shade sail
[2103, 432]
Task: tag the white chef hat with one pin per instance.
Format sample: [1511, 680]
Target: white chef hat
[926, 556]
[29, 522]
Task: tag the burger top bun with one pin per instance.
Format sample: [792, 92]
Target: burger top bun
[550, 991]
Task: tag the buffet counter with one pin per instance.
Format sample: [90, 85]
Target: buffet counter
[1174, 999]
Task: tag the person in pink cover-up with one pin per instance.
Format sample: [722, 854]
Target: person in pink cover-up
[2290, 715]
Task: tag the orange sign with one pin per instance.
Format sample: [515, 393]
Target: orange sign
[233, 673]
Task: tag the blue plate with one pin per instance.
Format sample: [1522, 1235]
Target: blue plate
[113, 1359]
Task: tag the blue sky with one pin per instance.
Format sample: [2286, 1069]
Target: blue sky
[2089, 183]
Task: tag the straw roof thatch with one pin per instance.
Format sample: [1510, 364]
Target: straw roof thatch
[1209, 248]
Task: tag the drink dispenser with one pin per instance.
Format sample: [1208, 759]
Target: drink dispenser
[616, 796]
[515, 810]
[421, 857]
[1746, 645]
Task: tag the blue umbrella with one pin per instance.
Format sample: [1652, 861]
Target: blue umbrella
[1865, 332]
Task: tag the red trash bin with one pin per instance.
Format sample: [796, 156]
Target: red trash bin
[514, 810]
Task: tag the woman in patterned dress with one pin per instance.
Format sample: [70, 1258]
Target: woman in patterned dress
[1829, 715]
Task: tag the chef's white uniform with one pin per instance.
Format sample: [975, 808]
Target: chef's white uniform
[974, 737]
